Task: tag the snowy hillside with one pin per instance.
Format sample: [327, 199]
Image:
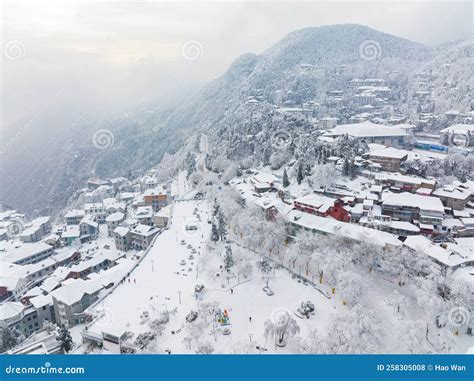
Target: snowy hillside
[236, 110]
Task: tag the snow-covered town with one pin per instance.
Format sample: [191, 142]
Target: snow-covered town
[264, 261]
[314, 198]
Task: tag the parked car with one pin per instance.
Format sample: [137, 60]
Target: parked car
[199, 288]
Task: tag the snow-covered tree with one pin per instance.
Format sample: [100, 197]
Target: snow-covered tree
[345, 167]
[300, 173]
[281, 328]
[286, 181]
[9, 337]
[65, 338]
[323, 176]
[356, 332]
[228, 259]
[214, 233]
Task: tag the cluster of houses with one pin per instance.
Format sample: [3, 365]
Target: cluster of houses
[53, 272]
[392, 208]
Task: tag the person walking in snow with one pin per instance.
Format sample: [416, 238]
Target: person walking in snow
[231, 290]
[250, 319]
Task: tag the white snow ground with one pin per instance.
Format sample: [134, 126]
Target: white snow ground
[160, 283]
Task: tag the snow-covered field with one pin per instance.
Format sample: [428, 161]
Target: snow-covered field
[160, 283]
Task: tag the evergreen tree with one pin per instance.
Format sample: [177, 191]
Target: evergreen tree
[345, 167]
[9, 338]
[324, 156]
[286, 181]
[221, 227]
[214, 234]
[64, 337]
[228, 259]
[300, 175]
[352, 169]
[215, 209]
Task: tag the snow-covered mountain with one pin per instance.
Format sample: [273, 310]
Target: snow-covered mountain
[304, 66]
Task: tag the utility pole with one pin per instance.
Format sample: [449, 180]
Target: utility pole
[179, 295]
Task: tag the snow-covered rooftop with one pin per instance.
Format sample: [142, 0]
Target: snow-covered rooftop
[412, 200]
[366, 130]
[114, 217]
[342, 229]
[25, 251]
[453, 255]
[459, 129]
[389, 152]
[450, 191]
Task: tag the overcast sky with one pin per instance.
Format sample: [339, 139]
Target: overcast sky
[118, 50]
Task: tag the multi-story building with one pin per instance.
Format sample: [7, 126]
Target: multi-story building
[25, 319]
[156, 198]
[322, 206]
[369, 132]
[30, 253]
[112, 221]
[36, 229]
[413, 207]
[73, 217]
[123, 238]
[453, 197]
[404, 183]
[389, 158]
[97, 209]
[88, 226]
[142, 236]
[72, 298]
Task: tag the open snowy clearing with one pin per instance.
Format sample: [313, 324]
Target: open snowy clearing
[161, 283]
